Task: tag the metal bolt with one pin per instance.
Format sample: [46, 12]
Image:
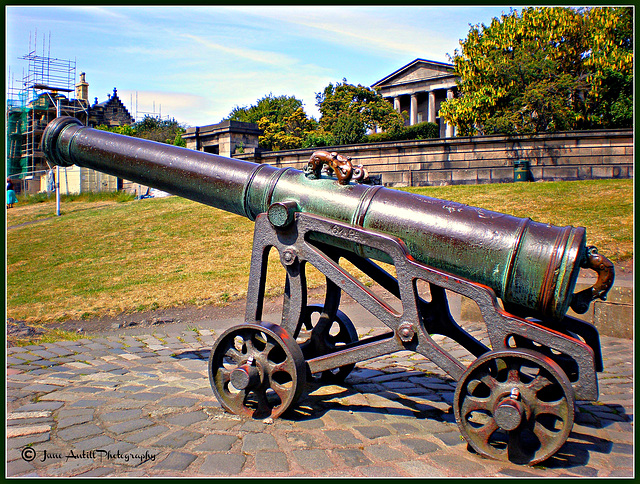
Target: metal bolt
[406, 332]
[288, 257]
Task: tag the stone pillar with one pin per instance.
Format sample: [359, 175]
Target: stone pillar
[396, 103]
[449, 127]
[431, 114]
[413, 111]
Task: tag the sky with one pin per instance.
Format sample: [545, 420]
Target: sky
[195, 64]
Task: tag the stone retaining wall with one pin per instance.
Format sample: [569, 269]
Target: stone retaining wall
[613, 317]
[483, 159]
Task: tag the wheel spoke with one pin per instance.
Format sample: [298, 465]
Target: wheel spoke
[321, 341]
[235, 355]
[225, 376]
[268, 347]
[544, 435]
[514, 376]
[538, 379]
[257, 342]
[285, 366]
[472, 404]
[248, 343]
[283, 392]
[331, 341]
[490, 381]
[538, 383]
[483, 434]
[515, 448]
[558, 409]
[236, 398]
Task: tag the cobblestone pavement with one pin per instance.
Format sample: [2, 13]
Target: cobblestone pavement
[127, 405]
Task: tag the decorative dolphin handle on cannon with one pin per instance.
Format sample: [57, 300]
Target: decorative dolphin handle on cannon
[514, 402]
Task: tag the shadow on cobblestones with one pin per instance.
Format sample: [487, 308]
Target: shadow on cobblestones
[577, 451]
[345, 401]
[193, 355]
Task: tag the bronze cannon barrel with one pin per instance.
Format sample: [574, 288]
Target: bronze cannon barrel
[533, 267]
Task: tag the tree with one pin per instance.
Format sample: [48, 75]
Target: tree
[282, 119]
[348, 112]
[610, 60]
[545, 69]
[274, 108]
[287, 134]
[167, 131]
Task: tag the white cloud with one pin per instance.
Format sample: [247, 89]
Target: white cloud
[389, 31]
[197, 63]
[179, 105]
[239, 53]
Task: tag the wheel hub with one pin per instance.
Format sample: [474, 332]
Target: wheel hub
[508, 414]
[256, 370]
[246, 377]
[515, 405]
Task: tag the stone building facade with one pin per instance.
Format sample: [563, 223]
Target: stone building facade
[111, 112]
[225, 138]
[26, 122]
[419, 88]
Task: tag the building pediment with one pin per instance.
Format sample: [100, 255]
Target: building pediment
[417, 71]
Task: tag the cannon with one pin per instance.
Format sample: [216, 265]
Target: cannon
[515, 402]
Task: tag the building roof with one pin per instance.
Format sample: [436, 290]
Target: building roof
[412, 65]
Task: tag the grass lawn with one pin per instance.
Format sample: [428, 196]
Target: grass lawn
[112, 255]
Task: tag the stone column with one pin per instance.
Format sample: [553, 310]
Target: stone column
[396, 103]
[449, 127]
[431, 114]
[413, 111]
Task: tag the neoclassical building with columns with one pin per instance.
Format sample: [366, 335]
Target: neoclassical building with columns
[419, 88]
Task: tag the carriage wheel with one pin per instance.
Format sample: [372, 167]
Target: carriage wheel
[515, 405]
[256, 370]
[323, 337]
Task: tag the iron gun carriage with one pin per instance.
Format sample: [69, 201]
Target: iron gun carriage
[514, 402]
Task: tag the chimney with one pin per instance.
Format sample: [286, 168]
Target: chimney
[82, 89]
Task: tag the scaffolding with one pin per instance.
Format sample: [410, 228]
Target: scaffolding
[31, 105]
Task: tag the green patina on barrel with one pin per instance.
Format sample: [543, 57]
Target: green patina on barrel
[532, 267]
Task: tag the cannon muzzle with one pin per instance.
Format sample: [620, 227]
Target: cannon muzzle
[533, 267]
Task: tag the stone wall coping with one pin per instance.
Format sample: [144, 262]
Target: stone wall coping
[225, 126]
[592, 134]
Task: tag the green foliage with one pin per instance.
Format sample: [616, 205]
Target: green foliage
[126, 130]
[289, 133]
[545, 69]
[378, 138]
[282, 119]
[164, 131]
[178, 140]
[349, 111]
[274, 108]
[424, 130]
[167, 131]
[349, 128]
[318, 138]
